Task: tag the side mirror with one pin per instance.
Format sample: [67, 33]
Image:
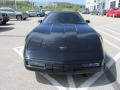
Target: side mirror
[40, 21]
[87, 21]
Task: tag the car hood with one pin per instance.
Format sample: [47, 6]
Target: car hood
[18, 12]
[64, 42]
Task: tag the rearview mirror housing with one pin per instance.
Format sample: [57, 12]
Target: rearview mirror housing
[87, 21]
[40, 21]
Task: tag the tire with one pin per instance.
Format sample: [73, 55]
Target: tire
[107, 15]
[19, 18]
[39, 15]
[3, 23]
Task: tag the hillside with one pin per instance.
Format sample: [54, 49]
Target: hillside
[56, 6]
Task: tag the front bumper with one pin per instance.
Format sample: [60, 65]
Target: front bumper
[63, 69]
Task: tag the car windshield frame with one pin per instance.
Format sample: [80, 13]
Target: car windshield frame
[64, 18]
[9, 10]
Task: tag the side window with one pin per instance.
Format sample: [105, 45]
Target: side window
[9, 10]
[2, 10]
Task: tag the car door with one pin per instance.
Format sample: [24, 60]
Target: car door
[11, 13]
[117, 12]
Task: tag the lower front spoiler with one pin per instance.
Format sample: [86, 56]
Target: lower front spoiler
[76, 71]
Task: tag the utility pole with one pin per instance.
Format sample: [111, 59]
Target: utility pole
[3, 3]
[32, 4]
[15, 4]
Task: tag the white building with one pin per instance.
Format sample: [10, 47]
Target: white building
[91, 4]
[95, 4]
[102, 4]
[112, 3]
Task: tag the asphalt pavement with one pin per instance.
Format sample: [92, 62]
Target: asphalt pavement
[13, 75]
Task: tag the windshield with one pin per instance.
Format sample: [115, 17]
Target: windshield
[63, 18]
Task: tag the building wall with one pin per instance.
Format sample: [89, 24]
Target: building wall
[91, 3]
[108, 3]
[101, 4]
[95, 4]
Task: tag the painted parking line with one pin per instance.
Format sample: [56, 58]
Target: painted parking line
[111, 44]
[110, 35]
[71, 82]
[19, 50]
[115, 29]
[90, 81]
[53, 81]
[106, 24]
[107, 29]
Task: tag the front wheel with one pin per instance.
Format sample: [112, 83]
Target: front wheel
[4, 23]
[19, 18]
[39, 15]
[113, 16]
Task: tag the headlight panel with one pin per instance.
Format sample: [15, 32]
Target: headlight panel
[36, 63]
[91, 65]
[34, 44]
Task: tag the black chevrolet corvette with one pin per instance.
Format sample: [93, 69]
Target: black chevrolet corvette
[64, 43]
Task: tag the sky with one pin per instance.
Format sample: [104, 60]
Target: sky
[71, 1]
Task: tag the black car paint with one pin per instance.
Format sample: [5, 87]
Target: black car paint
[82, 46]
[5, 18]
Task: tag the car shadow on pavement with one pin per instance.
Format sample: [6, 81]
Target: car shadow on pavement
[108, 77]
[4, 29]
[110, 73]
[20, 20]
[8, 24]
[61, 79]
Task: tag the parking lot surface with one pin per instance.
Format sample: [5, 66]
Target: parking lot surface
[13, 75]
